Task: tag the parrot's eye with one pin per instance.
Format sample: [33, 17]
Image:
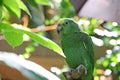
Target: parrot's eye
[66, 23]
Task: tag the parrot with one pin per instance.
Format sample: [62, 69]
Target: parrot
[78, 49]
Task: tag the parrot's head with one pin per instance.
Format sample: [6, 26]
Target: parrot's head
[67, 26]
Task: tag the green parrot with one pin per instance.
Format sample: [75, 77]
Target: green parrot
[78, 49]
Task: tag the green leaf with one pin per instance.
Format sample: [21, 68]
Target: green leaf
[23, 6]
[38, 38]
[14, 38]
[43, 2]
[12, 7]
[44, 42]
[12, 35]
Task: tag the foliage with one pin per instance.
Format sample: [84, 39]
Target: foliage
[108, 66]
[14, 34]
[8, 30]
[14, 40]
[13, 7]
[103, 33]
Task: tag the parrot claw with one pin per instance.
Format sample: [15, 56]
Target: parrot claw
[78, 72]
[82, 68]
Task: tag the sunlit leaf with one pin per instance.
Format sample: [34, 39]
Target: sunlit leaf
[13, 7]
[23, 6]
[45, 42]
[12, 36]
[38, 38]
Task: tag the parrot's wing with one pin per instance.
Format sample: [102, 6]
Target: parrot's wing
[89, 46]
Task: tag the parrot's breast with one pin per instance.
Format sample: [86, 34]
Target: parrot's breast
[74, 50]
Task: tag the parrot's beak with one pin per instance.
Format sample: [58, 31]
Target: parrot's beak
[59, 28]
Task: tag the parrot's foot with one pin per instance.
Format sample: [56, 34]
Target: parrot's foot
[82, 69]
[78, 72]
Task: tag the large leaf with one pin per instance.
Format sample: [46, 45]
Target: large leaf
[40, 39]
[45, 42]
[13, 38]
[28, 68]
[23, 6]
[13, 7]
[12, 35]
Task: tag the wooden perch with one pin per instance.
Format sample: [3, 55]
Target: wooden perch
[25, 21]
[46, 28]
